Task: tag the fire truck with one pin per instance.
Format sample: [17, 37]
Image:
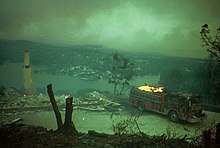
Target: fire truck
[176, 105]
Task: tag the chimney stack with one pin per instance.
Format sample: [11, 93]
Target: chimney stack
[29, 86]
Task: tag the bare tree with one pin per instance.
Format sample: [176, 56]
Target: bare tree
[122, 71]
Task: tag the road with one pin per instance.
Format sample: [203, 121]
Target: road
[149, 123]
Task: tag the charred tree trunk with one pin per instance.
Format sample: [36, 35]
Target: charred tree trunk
[217, 136]
[68, 124]
[207, 138]
[55, 107]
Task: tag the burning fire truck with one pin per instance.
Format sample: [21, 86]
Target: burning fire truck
[176, 105]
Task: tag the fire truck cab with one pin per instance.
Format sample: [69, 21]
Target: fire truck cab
[176, 105]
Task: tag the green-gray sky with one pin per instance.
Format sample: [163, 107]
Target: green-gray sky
[165, 26]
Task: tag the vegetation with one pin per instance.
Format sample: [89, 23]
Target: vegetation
[126, 126]
[171, 79]
[206, 81]
[209, 73]
[212, 43]
[121, 72]
[202, 78]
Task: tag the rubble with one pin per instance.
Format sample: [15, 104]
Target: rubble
[12, 100]
[96, 101]
[9, 94]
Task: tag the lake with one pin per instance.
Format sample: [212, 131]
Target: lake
[11, 75]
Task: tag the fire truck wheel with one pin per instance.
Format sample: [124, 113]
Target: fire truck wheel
[141, 106]
[173, 116]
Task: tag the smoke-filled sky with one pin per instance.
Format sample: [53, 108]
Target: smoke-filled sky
[169, 27]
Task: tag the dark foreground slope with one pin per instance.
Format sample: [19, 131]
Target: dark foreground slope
[28, 136]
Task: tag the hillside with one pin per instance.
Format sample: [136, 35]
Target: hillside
[92, 56]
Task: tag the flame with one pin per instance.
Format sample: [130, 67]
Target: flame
[151, 88]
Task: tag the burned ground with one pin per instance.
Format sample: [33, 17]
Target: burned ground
[21, 135]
